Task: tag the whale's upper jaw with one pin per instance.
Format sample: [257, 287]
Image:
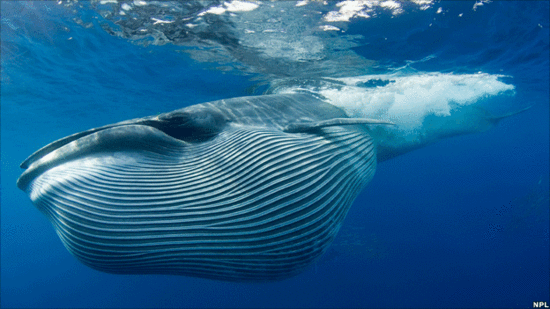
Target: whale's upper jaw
[188, 126]
[130, 137]
[176, 128]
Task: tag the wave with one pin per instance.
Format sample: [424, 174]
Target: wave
[276, 39]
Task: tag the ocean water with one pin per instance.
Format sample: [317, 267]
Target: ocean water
[461, 222]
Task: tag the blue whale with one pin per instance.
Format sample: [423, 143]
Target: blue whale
[244, 189]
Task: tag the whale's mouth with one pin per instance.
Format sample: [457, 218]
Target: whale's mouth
[187, 126]
[132, 137]
[174, 129]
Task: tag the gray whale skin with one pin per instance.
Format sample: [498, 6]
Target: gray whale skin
[244, 189]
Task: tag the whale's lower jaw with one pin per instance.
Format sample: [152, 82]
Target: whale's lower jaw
[249, 205]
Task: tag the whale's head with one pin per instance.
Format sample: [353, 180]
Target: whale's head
[250, 188]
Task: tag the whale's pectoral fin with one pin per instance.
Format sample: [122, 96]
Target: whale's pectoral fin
[304, 127]
[497, 119]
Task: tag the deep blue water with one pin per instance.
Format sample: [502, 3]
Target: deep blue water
[463, 222]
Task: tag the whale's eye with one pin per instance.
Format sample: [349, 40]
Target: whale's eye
[190, 127]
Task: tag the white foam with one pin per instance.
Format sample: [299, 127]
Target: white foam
[217, 10]
[329, 28]
[349, 9]
[233, 6]
[160, 21]
[424, 4]
[240, 6]
[407, 100]
[140, 3]
[480, 3]
[395, 7]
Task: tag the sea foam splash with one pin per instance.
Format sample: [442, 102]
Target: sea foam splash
[408, 100]
[426, 107]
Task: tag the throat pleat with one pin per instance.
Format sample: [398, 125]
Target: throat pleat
[250, 204]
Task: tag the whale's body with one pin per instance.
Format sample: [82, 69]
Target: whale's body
[245, 189]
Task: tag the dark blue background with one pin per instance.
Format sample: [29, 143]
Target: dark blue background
[460, 223]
